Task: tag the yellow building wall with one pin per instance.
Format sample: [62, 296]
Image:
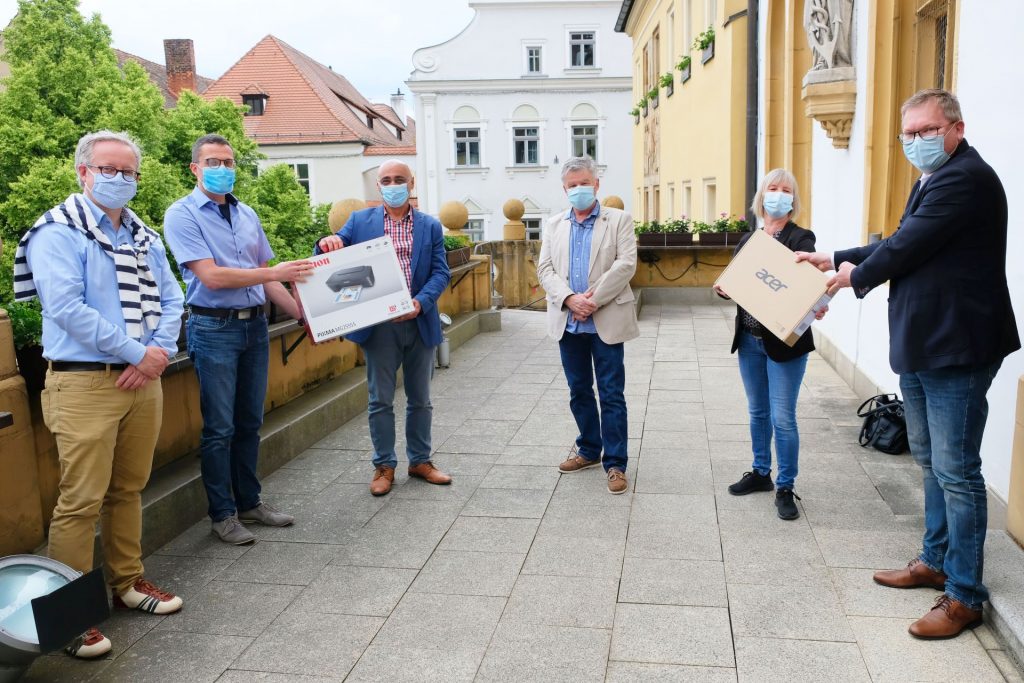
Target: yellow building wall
[697, 134]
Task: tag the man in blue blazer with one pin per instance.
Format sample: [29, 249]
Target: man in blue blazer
[407, 342]
[950, 326]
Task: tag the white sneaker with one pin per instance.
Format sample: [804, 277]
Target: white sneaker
[146, 597]
[89, 645]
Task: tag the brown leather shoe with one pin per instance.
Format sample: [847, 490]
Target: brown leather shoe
[427, 471]
[915, 575]
[947, 619]
[617, 482]
[575, 463]
[383, 478]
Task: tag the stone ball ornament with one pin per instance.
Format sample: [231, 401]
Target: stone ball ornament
[453, 215]
[341, 210]
[614, 202]
[513, 210]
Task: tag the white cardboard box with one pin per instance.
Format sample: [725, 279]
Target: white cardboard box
[352, 288]
[783, 295]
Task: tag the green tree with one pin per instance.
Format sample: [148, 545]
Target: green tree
[284, 211]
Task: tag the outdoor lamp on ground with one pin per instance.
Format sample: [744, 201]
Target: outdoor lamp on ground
[26, 628]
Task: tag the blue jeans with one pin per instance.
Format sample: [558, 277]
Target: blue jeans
[583, 355]
[946, 410]
[392, 346]
[772, 390]
[230, 357]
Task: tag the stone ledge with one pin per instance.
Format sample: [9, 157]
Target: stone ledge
[1005, 580]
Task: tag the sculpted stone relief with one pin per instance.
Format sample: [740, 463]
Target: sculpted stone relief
[829, 26]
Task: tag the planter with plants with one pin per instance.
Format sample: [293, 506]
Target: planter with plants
[27, 328]
[635, 113]
[648, 234]
[726, 231]
[668, 82]
[705, 42]
[457, 249]
[642, 105]
[684, 68]
[677, 233]
[652, 96]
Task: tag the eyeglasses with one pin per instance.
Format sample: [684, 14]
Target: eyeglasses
[129, 174]
[925, 134]
[217, 163]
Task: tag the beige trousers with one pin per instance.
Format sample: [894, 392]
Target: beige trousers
[105, 440]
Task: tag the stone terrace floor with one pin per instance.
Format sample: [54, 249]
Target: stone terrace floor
[516, 573]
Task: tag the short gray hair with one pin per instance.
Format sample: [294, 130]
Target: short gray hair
[948, 102]
[579, 164]
[776, 175]
[208, 139]
[86, 145]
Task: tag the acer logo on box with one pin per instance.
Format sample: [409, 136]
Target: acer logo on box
[775, 283]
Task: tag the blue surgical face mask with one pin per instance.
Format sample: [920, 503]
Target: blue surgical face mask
[395, 196]
[112, 193]
[219, 180]
[581, 197]
[778, 204]
[927, 155]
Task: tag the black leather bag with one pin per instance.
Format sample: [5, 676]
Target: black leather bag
[885, 427]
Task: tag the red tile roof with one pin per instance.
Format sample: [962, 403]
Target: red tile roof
[158, 75]
[306, 102]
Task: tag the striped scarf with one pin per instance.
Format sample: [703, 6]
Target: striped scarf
[140, 296]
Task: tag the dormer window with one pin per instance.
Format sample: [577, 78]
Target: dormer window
[257, 103]
[369, 122]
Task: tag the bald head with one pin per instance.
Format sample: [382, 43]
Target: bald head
[393, 167]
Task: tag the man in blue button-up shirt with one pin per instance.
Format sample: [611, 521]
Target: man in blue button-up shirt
[223, 252]
[103, 401]
[586, 262]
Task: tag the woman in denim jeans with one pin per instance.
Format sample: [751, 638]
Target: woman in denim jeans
[771, 370]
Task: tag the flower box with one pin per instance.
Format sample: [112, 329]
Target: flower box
[684, 74]
[707, 53]
[651, 239]
[678, 239]
[458, 257]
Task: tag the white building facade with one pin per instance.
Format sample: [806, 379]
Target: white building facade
[844, 198]
[499, 108]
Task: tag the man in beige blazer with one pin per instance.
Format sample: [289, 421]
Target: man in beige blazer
[586, 262]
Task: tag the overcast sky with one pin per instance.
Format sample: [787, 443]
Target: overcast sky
[370, 42]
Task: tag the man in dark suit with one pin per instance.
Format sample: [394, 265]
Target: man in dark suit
[950, 326]
[409, 341]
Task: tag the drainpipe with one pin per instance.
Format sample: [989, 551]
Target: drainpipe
[752, 104]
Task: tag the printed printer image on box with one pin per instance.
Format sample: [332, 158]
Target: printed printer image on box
[352, 288]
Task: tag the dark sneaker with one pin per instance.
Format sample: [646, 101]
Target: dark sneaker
[89, 645]
[786, 505]
[266, 515]
[751, 482]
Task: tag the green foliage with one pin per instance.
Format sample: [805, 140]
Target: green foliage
[635, 111]
[26, 323]
[453, 242]
[652, 94]
[666, 80]
[642, 104]
[194, 117]
[704, 39]
[684, 63]
[724, 223]
[283, 207]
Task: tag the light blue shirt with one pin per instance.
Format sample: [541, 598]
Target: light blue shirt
[77, 285]
[196, 230]
[580, 237]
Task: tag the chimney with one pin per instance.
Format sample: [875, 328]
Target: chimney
[398, 104]
[180, 57]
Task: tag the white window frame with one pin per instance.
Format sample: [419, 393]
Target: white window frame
[597, 137]
[526, 139]
[687, 29]
[710, 212]
[710, 12]
[582, 28]
[309, 174]
[534, 45]
[482, 232]
[456, 141]
[450, 127]
[670, 42]
[686, 205]
[540, 226]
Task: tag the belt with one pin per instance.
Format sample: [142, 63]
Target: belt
[237, 313]
[84, 366]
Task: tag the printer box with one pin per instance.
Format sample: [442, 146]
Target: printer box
[783, 295]
[352, 288]
[1015, 502]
